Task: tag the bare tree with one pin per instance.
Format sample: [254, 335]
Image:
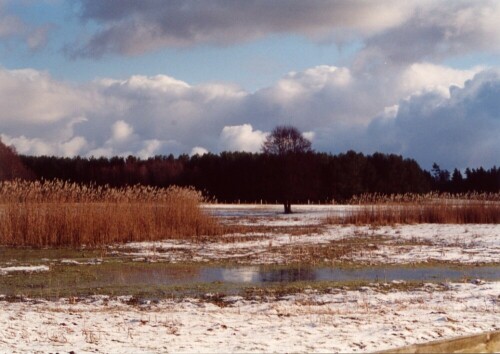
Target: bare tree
[287, 143]
[285, 139]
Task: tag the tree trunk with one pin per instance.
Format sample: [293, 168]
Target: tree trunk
[288, 207]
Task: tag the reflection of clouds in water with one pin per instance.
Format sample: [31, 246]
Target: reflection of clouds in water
[241, 275]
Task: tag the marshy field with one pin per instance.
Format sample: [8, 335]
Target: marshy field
[142, 269]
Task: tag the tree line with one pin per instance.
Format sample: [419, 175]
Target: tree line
[11, 166]
[254, 177]
[296, 177]
[473, 180]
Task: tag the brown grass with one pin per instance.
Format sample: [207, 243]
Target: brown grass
[417, 209]
[59, 214]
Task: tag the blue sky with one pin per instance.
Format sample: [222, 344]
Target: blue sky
[252, 65]
[119, 77]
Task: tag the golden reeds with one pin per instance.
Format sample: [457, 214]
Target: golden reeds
[56, 213]
[433, 208]
[412, 198]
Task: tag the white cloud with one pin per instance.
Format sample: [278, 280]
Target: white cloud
[158, 83]
[73, 147]
[394, 97]
[241, 138]
[121, 131]
[104, 152]
[198, 150]
[422, 77]
[460, 129]
[122, 142]
[309, 135]
[33, 98]
[35, 146]
[150, 148]
[337, 107]
[28, 146]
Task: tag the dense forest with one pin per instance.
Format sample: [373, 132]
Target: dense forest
[255, 177]
[299, 177]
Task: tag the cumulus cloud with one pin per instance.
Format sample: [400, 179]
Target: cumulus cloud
[36, 146]
[175, 114]
[393, 98]
[73, 147]
[150, 148]
[457, 129]
[423, 110]
[331, 98]
[198, 150]
[121, 131]
[241, 138]
[122, 142]
[31, 98]
[422, 77]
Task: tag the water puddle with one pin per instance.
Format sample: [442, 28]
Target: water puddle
[158, 279]
[256, 275]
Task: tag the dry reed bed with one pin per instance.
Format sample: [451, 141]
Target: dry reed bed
[432, 208]
[61, 214]
[432, 197]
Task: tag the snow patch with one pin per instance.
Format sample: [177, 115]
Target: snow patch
[343, 321]
[24, 269]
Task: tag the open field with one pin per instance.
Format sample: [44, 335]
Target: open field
[266, 236]
[362, 320]
[130, 297]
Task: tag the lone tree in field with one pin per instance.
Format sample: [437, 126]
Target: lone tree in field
[284, 140]
[288, 145]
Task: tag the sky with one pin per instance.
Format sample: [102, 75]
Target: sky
[152, 77]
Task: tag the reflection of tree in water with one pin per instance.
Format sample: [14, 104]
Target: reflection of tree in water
[151, 274]
[288, 275]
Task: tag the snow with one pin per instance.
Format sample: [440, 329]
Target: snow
[464, 244]
[398, 244]
[372, 318]
[342, 321]
[24, 269]
[74, 262]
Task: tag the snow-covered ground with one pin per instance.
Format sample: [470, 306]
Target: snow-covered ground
[372, 318]
[23, 269]
[399, 244]
[343, 321]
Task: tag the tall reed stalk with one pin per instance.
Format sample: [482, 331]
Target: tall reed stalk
[61, 214]
[431, 208]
